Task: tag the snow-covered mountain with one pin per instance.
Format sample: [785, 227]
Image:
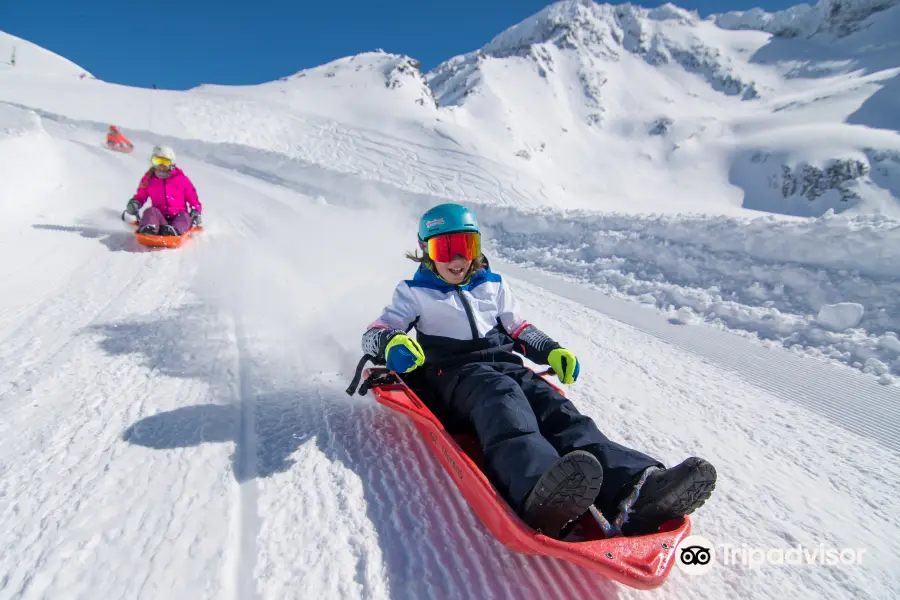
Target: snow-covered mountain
[704, 210]
[623, 102]
[837, 17]
[615, 107]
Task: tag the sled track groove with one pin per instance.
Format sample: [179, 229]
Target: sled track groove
[337, 436]
[848, 398]
[245, 519]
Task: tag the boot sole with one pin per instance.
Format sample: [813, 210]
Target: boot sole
[681, 498]
[563, 493]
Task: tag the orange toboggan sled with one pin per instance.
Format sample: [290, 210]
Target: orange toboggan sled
[164, 241]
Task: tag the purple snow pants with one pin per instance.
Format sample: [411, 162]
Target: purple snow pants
[153, 216]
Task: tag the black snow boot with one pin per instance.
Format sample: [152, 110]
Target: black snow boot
[668, 494]
[147, 230]
[563, 493]
[168, 230]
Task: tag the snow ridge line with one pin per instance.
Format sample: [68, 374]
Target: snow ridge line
[246, 520]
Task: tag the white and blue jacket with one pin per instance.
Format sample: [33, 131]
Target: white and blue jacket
[473, 322]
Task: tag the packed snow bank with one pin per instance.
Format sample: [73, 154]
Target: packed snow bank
[768, 277]
[17, 122]
[31, 166]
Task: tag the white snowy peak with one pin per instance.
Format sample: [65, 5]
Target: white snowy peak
[600, 28]
[369, 86]
[840, 17]
[585, 23]
[597, 35]
[667, 35]
[24, 56]
[378, 69]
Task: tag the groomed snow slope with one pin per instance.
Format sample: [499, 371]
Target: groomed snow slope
[175, 423]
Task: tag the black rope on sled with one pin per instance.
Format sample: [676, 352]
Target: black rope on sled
[358, 375]
[379, 376]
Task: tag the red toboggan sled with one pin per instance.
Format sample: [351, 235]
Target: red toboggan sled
[640, 562]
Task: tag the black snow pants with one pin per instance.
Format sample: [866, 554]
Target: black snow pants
[525, 425]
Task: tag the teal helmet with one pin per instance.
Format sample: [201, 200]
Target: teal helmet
[446, 218]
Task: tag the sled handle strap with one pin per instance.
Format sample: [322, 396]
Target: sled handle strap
[354, 384]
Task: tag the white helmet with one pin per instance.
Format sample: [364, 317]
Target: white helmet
[163, 152]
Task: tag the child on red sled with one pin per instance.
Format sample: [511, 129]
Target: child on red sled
[548, 461]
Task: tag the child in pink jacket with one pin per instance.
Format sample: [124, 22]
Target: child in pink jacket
[175, 205]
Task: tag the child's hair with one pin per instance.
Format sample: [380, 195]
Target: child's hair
[477, 264]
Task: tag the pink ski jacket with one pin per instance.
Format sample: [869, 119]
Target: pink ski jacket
[172, 195]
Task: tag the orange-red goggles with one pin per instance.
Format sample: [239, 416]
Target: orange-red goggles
[160, 161]
[444, 248]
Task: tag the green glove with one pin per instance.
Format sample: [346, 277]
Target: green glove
[564, 364]
[402, 354]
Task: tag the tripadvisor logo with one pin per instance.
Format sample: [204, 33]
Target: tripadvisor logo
[696, 555]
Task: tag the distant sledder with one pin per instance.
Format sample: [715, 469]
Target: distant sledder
[550, 463]
[175, 210]
[118, 142]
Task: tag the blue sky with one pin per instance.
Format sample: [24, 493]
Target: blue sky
[177, 45]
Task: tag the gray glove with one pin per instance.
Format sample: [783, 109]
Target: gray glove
[196, 219]
[133, 207]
